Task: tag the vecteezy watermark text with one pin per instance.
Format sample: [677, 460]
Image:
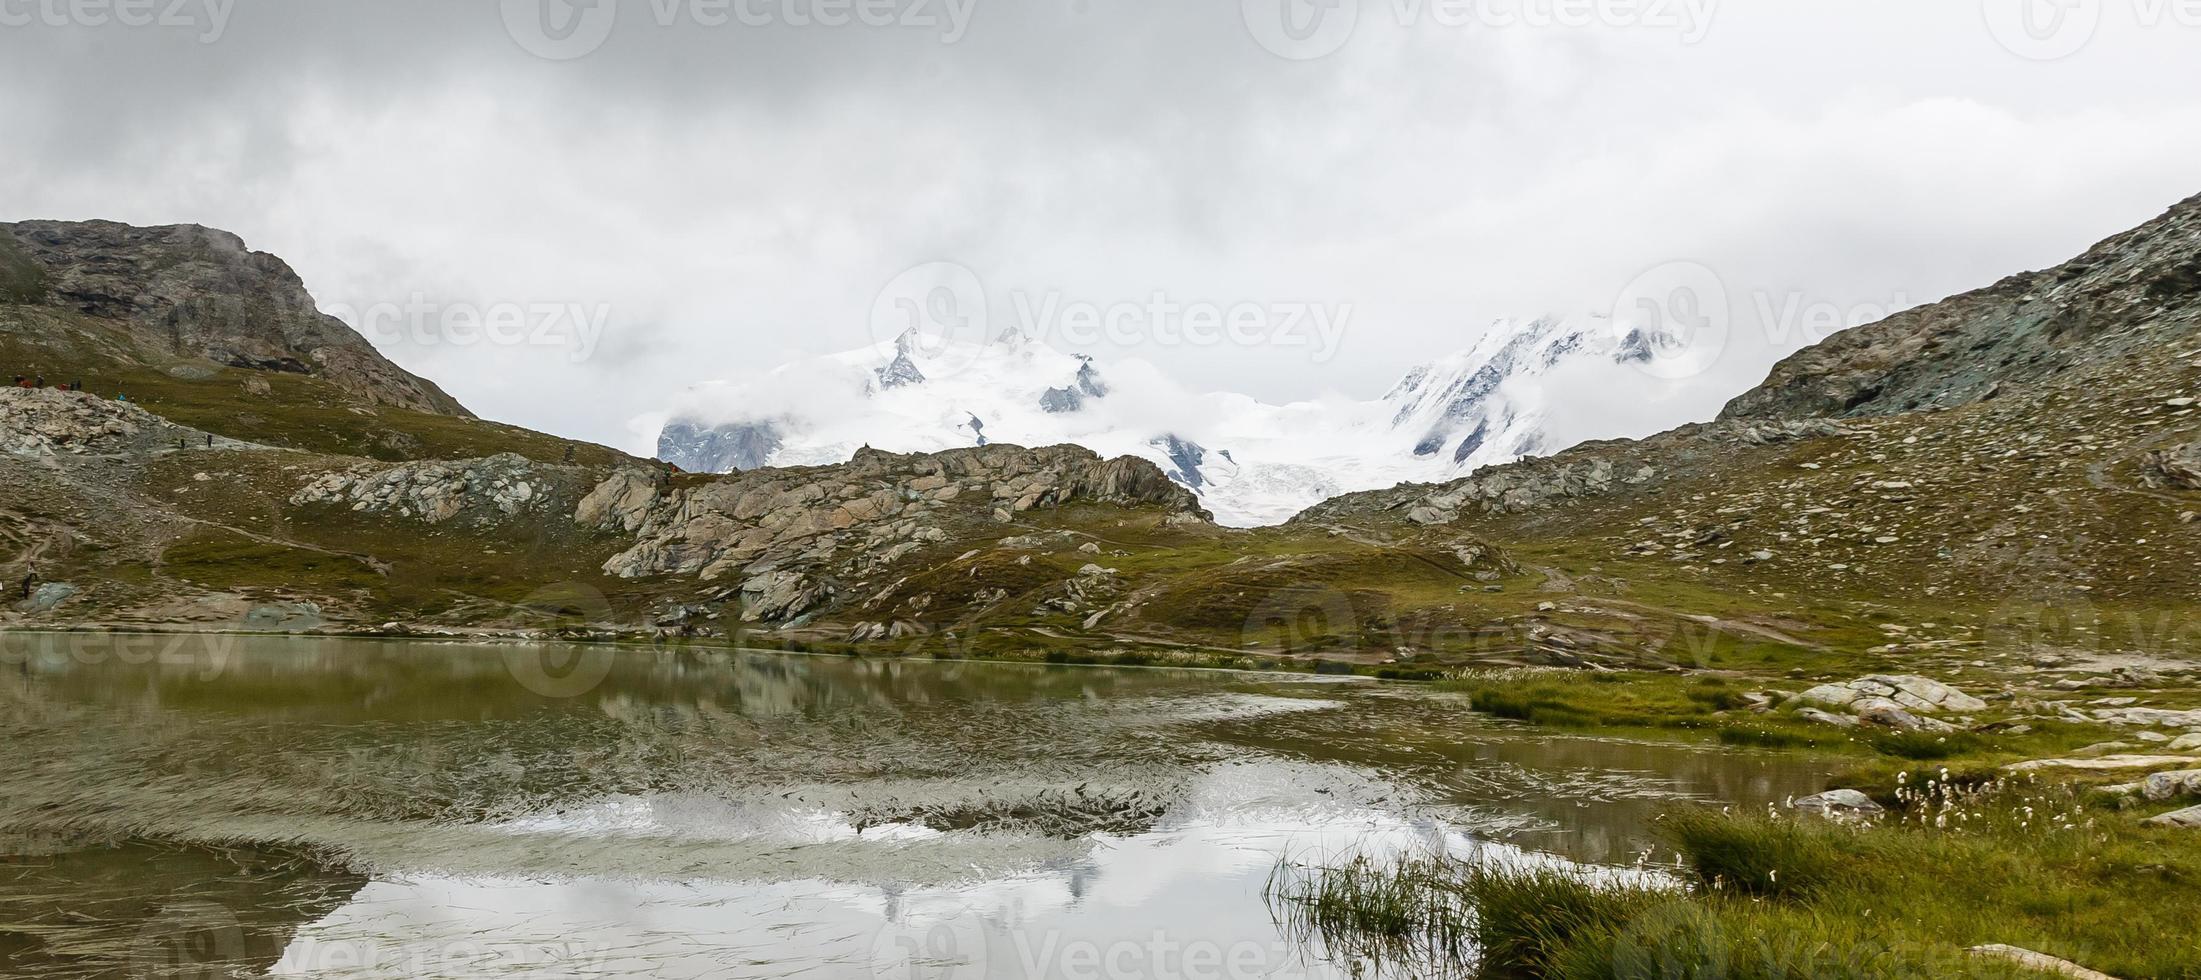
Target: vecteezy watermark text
[944, 309]
[573, 327]
[1306, 29]
[2047, 30]
[1314, 327]
[210, 18]
[1676, 319]
[562, 30]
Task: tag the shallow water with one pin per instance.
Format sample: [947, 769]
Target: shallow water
[248, 806]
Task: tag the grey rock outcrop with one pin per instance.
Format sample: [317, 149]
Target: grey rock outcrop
[900, 371]
[491, 489]
[788, 533]
[47, 422]
[622, 502]
[1061, 401]
[2150, 717]
[46, 597]
[729, 447]
[1511, 488]
[2171, 785]
[780, 595]
[198, 292]
[1912, 693]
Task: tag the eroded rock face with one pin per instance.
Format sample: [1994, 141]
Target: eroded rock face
[501, 486]
[47, 421]
[622, 502]
[866, 513]
[780, 595]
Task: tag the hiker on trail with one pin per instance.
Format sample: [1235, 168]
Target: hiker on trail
[41, 382]
[210, 441]
[30, 580]
[569, 455]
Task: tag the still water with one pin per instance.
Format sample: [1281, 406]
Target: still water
[268, 806]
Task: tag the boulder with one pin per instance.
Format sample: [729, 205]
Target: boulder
[2149, 717]
[2185, 743]
[1881, 711]
[779, 595]
[2171, 785]
[2189, 818]
[1827, 718]
[45, 597]
[1839, 803]
[2037, 962]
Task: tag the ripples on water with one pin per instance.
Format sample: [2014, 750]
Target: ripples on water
[356, 808]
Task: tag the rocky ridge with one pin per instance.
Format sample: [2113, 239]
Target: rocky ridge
[2108, 306]
[787, 533]
[199, 292]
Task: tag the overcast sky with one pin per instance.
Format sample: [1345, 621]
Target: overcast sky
[727, 187]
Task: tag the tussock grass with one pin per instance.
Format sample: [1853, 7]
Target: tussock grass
[1761, 855]
[1448, 917]
[1958, 864]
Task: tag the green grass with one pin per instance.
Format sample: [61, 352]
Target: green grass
[1700, 708]
[226, 560]
[296, 411]
[2038, 867]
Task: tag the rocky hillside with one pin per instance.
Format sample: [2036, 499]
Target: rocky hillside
[1884, 504]
[2107, 308]
[196, 292]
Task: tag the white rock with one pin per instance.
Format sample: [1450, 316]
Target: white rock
[2104, 764]
[1839, 802]
[2189, 817]
[2037, 962]
[2171, 785]
[1913, 693]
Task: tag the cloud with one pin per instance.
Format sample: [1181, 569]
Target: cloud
[736, 197]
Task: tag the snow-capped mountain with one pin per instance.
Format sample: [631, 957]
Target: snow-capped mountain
[1252, 463]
